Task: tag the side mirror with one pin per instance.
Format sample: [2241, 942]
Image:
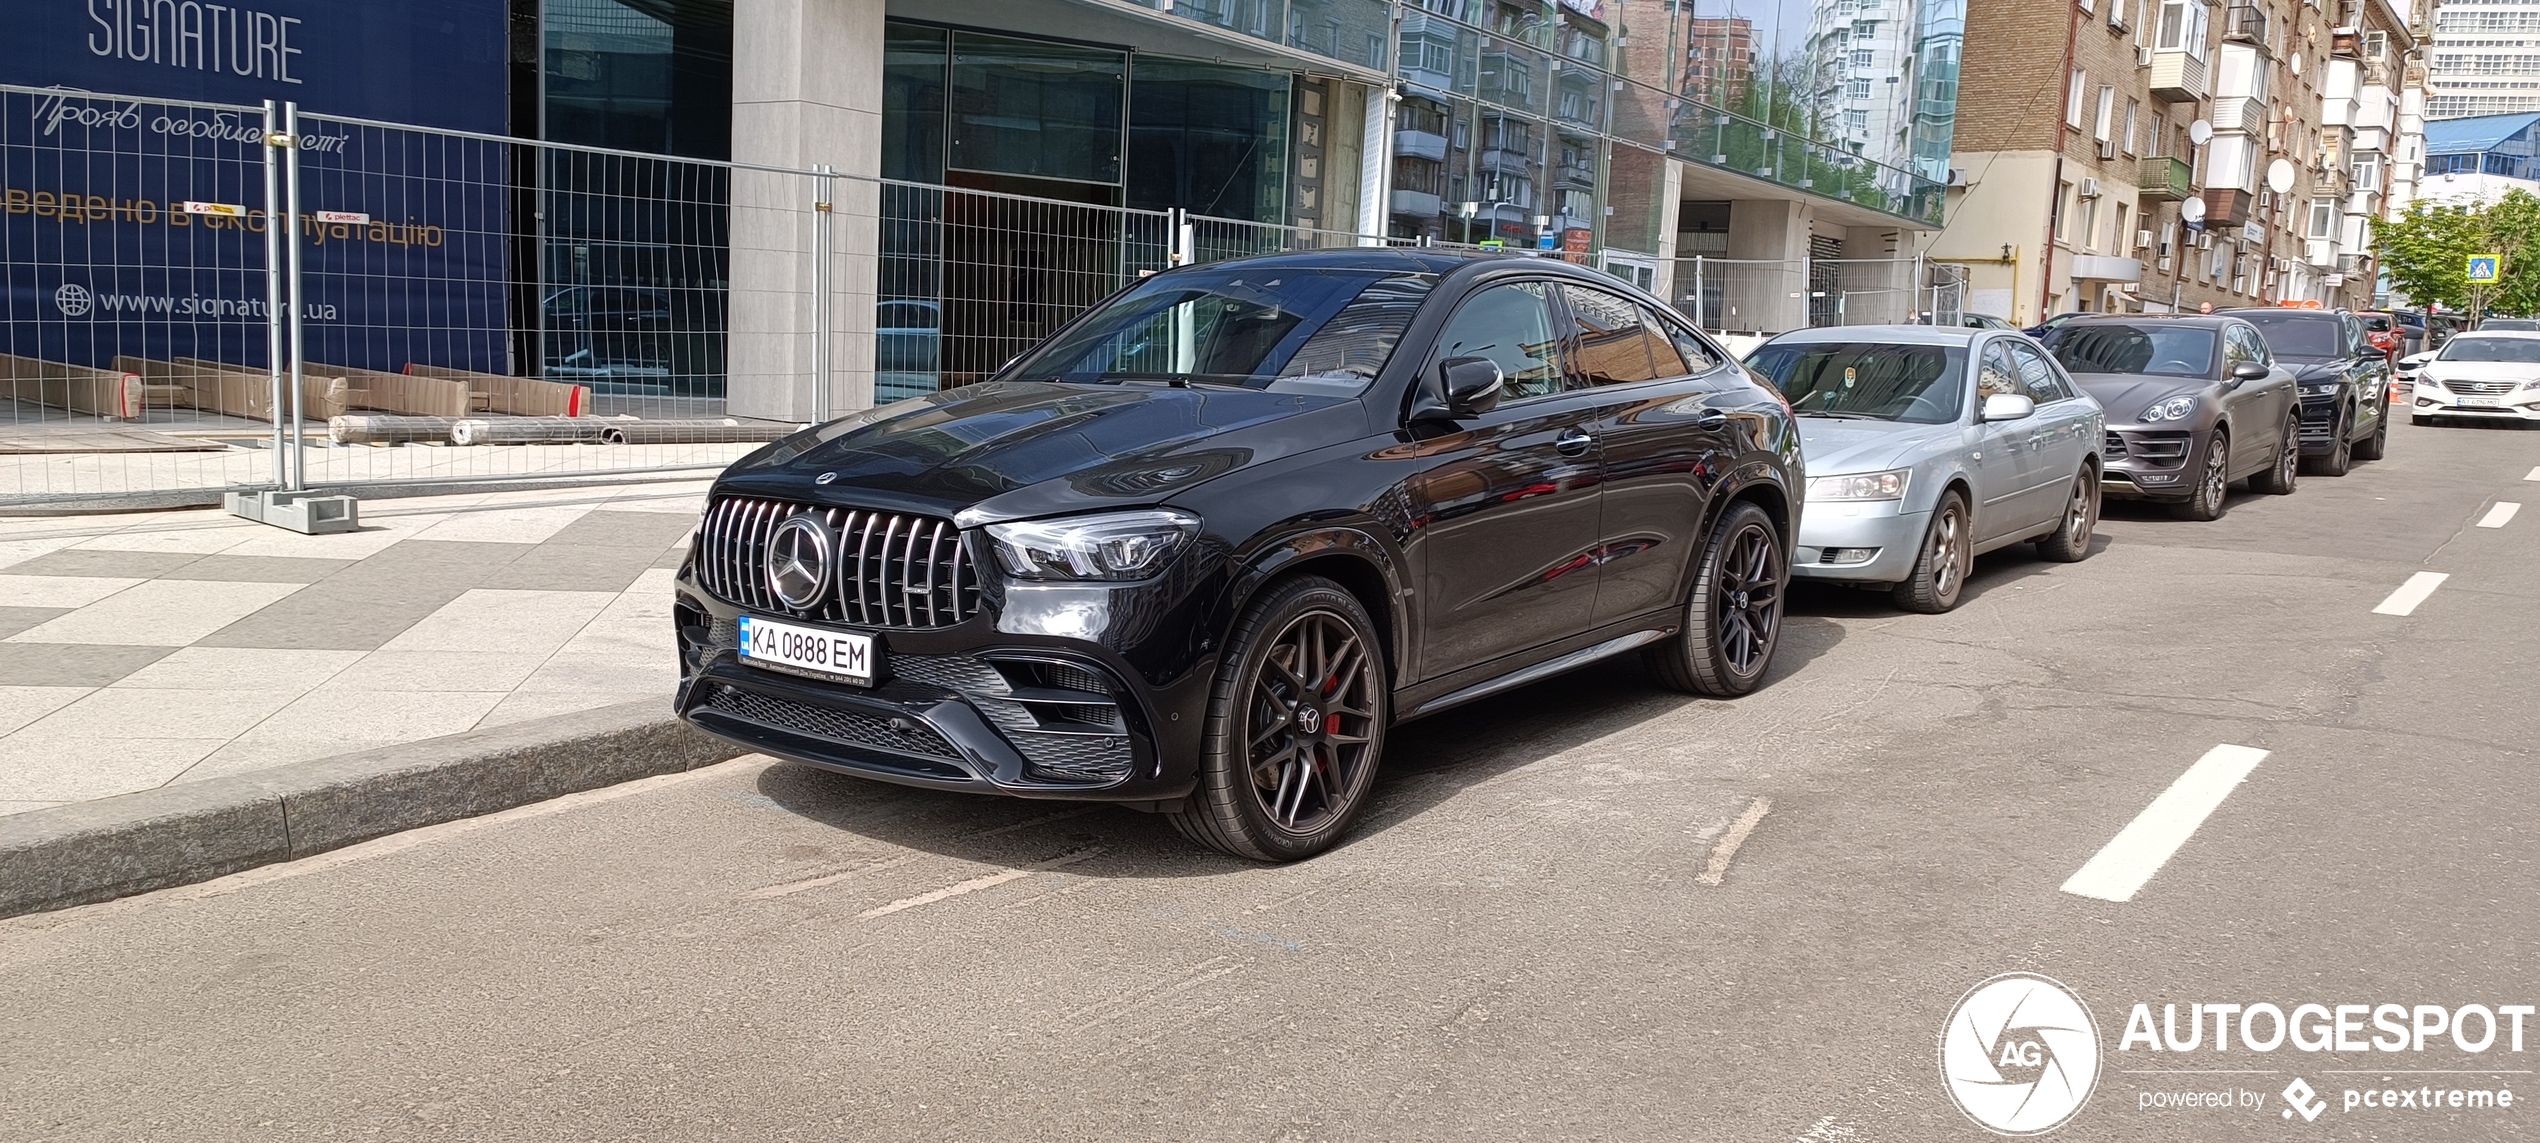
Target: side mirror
[2008, 407]
[2249, 371]
[1473, 384]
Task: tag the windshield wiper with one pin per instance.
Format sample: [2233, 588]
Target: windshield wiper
[1832, 415]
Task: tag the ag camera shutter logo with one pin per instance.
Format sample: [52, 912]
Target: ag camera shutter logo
[2020, 1054]
[72, 299]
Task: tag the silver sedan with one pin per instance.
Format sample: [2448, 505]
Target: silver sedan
[1926, 447]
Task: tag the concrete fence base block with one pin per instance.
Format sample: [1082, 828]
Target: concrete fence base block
[178, 835]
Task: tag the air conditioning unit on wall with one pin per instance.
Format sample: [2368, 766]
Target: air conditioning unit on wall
[2089, 188]
[2142, 239]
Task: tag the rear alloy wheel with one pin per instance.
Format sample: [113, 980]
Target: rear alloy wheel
[1940, 571]
[2341, 455]
[2279, 480]
[1733, 616]
[2212, 483]
[2070, 542]
[1295, 726]
[2377, 445]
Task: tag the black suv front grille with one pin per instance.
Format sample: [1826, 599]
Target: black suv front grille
[891, 569]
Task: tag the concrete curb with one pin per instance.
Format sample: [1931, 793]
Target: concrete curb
[195, 831]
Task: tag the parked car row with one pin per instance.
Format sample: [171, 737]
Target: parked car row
[1201, 548]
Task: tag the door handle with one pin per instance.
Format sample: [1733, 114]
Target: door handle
[1573, 442]
[1711, 420]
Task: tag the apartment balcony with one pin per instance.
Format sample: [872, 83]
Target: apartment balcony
[1420, 145]
[2227, 207]
[1505, 162]
[2246, 24]
[2246, 115]
[2178, 77]
[2320, 252]
[1574, 175]
[1418, 204]
[2167, 180]
[2372, 140]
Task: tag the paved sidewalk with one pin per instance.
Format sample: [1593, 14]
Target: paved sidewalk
[148, 649]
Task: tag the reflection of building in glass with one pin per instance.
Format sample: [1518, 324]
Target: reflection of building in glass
[1719, 59]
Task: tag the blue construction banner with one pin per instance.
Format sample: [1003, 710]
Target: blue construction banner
[132, 201]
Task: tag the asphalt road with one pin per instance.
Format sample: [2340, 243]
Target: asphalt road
[1520, 942]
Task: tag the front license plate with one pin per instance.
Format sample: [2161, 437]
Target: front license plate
[839, 655]
[2483, 402]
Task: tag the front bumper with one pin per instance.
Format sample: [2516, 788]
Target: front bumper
[2151, 464]
[2429, 400]
[967, 707]
[1844, 529]
[2320, 424]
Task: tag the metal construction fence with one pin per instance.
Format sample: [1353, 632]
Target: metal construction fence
[445, 307]
[1756, 296]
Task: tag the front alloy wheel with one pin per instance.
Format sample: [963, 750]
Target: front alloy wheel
[2341, 455]
[2212, 484]
[1940, 571]
[1295, 726]
[1732, 617]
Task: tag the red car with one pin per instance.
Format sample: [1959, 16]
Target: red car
[2382, 330]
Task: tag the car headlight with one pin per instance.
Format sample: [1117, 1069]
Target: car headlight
[1889, 485]
[1110, 546]
[2174, 409]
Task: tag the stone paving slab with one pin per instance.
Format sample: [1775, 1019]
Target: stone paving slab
[146, 651]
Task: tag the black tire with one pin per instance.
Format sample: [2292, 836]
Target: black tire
[1733, 616]
[1948, 554]
[2377, 445]
[2279, 479]
[1269, 752]
[2341, 455]
[2069, 543]
[2212, 486]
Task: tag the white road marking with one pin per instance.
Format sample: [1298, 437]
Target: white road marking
[1726, 850]
[2534, 474]
[2140, 849]
[2411, 593]
[975, 884]
[2498, 515]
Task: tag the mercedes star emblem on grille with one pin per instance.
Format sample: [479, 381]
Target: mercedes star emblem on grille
[798, 561]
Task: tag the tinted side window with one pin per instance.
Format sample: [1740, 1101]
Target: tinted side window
[1684, 352]
[2241, 343]
[2044, 384]
[1613, 344]
[1511, 325]
[1995, 373]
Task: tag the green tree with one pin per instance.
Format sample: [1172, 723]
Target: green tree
[2426, 252]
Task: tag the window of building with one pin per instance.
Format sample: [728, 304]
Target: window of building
[2323, 218]
[2106, 121]
[2073, 96]
[639, 76]
[2133, 116]
[2064, 213]
[1037, 109]
[2183, 27]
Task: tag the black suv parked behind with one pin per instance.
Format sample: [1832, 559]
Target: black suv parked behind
[1202, 546]
[2345, 383]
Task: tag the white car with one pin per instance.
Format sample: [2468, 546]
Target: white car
[2486, 375]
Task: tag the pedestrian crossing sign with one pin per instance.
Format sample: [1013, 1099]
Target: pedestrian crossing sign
[2482, 269]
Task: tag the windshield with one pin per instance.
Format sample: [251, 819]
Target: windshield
[2525, 325]
[2375, 323]
[1916, 384]
[2299, 336]
[1249, 326]
[2164, 350]
[2471, 347]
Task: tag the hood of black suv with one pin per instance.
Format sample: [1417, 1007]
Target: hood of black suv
[1014, 450]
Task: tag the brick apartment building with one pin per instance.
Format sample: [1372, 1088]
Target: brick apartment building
[2124, 156]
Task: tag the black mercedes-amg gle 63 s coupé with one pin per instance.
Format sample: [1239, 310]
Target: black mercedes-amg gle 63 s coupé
[1198, 549]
